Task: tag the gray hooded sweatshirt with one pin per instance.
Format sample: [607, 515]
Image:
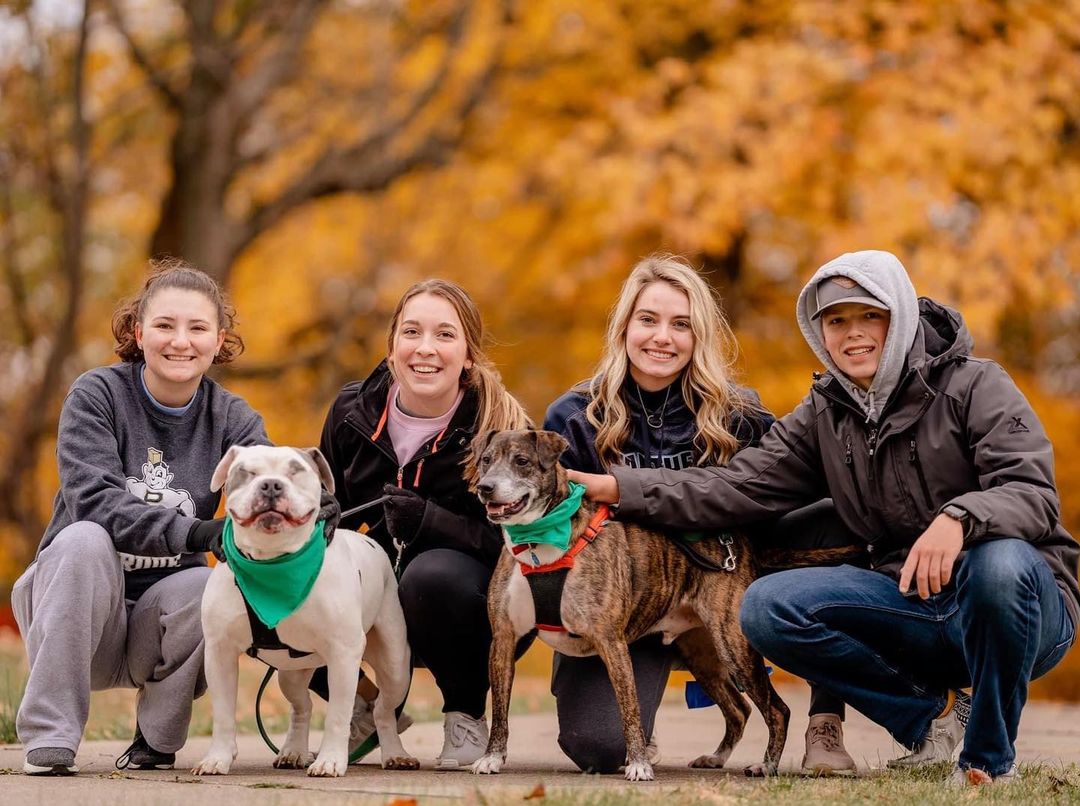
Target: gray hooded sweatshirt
[884, 276]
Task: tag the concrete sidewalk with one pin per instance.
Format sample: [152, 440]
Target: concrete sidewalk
[1049, 732]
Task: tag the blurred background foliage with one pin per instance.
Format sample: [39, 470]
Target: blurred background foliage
[318, 156]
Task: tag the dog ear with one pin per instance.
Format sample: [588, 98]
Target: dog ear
[549, 447]
[480, 444]
[315, 458]
[221, 472]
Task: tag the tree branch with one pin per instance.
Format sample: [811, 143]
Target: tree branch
[371, 165]
[250, 93]
[156, 77]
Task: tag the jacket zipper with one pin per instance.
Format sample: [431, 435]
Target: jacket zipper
[849, 460]
[913, 457]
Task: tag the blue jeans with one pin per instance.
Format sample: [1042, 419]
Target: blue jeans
[893, 658]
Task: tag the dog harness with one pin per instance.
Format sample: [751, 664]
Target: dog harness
[546, 582]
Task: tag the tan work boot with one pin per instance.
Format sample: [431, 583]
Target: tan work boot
[825, 753]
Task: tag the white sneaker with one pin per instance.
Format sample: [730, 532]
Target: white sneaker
[464, 741]
[962, 778]
[946, 734]
[362, 726]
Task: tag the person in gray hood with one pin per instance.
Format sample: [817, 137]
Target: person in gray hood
[936, 458]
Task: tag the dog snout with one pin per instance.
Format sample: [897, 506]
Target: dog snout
[485, 487]
[271, 488]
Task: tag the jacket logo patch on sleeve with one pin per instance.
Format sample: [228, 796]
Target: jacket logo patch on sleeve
[1016, 426]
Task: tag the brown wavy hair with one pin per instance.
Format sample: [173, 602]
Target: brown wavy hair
[173, 272]
[498, 410]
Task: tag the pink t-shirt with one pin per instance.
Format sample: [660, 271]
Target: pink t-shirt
[408, 433]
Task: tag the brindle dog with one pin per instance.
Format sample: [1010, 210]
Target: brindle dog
[628, 582]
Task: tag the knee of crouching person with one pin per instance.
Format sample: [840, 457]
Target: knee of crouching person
[756, 613]
[592, 753]
[994, 573]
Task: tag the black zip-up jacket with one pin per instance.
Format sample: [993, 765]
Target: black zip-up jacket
[357, 446]
[956, 430]
[671, 447]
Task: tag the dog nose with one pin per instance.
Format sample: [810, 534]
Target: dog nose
[271, 488]
[485, 487]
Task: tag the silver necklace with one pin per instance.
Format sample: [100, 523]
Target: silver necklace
[656, 418]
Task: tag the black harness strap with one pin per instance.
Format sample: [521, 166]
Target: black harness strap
[547, 591]
[263, 637]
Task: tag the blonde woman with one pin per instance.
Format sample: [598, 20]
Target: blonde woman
[404, 432]
[663, 397]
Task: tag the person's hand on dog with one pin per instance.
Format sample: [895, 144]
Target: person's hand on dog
[206, 536]
[329, 513]
[931, 558]
[598, 487]
[404, 511]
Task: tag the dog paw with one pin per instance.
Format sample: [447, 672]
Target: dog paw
[328, 767]
[213, 765]
[639, 771]
[710, 761]
[765, 769]
[294, 759]
[489, 764]
[401, 763]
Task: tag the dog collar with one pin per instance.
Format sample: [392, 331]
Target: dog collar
[275, 588]
[554, 528]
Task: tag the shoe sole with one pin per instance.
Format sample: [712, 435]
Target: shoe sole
[55, 769]
[826, 772]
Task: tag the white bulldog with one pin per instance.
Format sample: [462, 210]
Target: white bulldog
[351, 613]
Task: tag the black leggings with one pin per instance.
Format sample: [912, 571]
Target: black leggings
[443, 594]
[590, 728]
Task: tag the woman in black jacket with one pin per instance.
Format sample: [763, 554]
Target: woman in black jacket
[404, 432]
[662, 397]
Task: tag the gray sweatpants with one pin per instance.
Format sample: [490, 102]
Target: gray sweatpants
[82, 635]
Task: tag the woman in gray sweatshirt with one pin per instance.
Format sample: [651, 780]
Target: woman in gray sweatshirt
[112, 599]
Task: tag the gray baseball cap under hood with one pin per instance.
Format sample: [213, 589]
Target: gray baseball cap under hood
[885, 278]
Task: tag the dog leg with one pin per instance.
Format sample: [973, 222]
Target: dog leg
[703, 662]
[615, 654]
[222, 666]
[388, 654]
[747, 663]
[501, 677]
[343, 670]
[294, 752]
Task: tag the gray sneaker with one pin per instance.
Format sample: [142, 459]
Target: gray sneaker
[945, 735]
[465, 740]
[362, 726]
[50, 761]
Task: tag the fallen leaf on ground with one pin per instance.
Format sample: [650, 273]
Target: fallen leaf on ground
[537, 792]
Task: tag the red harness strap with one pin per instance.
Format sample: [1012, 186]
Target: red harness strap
[594, 527]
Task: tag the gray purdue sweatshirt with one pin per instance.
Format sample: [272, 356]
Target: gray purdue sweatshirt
[141, 473]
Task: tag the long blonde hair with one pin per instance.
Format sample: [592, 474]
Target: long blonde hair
[498, 410]
[707, 387]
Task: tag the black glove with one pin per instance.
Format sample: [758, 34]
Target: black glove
[404, 512]
[206, 536]
[330, 513]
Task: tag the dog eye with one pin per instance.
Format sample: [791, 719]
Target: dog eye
[485, 460]
[522, 461]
